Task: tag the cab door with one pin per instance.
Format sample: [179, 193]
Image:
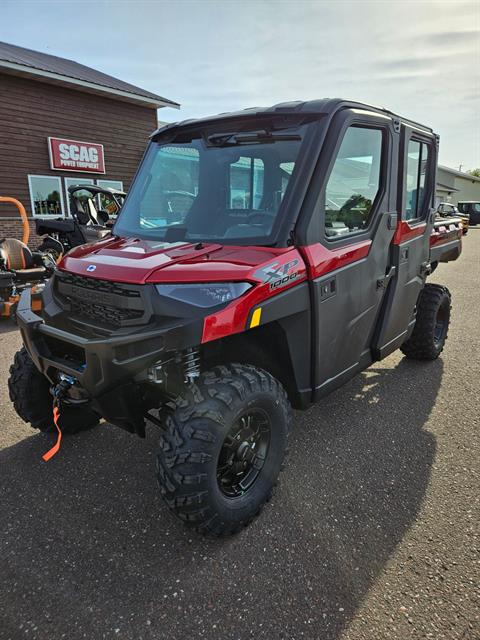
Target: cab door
[350, 266]
[411, 243]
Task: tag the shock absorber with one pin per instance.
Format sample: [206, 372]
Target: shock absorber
[191, 365]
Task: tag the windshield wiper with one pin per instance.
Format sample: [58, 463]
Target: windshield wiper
[249, 137]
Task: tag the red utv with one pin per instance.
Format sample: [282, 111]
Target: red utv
[261, 259]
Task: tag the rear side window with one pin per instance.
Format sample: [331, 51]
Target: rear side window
[418, 162]
[354, 182]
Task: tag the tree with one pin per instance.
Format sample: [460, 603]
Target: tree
[475, 172]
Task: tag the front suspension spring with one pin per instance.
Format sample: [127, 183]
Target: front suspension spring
[191, 365]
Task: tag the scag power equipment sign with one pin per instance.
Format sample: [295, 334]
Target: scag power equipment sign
[73, 155]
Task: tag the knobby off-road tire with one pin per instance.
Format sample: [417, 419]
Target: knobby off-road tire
[431, 325]
[30, 393]
[200, 452]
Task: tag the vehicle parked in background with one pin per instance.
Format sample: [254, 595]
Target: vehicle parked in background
[261, 259]
[449, 210]
[95, 205]
[472, 209]
[93, 211]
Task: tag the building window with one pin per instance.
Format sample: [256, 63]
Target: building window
[110, 184]
[79, 195]
[46, 195]
[354, 182]
[105, 202]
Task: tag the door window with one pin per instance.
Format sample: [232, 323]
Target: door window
[354, 182]
[416, 205]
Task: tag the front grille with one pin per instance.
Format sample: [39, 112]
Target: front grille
[104, 286]
[101, 301]
[104, 314]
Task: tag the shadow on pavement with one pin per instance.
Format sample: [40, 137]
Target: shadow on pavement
[7, 326]
[89, 550]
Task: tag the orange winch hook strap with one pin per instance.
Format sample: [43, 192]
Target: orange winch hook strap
[56, 446]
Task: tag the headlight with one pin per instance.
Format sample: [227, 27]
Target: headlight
[204, 295]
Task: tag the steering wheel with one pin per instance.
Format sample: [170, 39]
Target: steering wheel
[259, 218]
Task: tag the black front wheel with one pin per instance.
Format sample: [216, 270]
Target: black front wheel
[431, 324]
[223, 448]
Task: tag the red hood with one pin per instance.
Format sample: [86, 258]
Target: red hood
[140, 261]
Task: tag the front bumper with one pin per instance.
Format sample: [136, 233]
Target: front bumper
[100, 365]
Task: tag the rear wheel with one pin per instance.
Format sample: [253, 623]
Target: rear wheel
[223, 448]
[30, 393]
[431, 325]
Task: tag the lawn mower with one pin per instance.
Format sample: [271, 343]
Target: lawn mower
[21, 268]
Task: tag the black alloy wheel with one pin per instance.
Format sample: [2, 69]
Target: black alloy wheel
[243, 453]
[223, 448]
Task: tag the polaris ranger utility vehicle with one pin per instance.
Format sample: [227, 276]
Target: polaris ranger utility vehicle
[261, 259]
[471, 209]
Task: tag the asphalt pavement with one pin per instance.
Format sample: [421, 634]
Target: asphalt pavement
[372, 532]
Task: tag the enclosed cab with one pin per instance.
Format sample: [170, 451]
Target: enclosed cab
[471, 209]
[261, 259]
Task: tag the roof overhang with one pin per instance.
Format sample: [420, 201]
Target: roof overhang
[49, 77]
[446, 187]
[458, 174]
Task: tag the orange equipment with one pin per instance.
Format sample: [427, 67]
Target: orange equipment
[23, 216]
[19, 267]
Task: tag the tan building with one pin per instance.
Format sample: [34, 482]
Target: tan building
[455, 186]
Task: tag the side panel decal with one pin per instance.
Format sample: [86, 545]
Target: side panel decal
[405, 231]
[321, 260]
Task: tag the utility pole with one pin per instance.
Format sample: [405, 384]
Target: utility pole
[460, 167]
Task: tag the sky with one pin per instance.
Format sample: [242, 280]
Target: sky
[417, 58]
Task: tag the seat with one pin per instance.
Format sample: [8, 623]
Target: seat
[17, 257]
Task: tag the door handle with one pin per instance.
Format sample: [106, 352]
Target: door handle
[328, 289]
[392, 221]
[383, 282]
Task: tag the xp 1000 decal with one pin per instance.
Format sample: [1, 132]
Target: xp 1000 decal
[278, 275]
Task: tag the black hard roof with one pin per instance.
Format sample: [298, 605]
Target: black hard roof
[322, 106]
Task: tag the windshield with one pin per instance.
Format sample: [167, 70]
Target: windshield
[224, 187]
